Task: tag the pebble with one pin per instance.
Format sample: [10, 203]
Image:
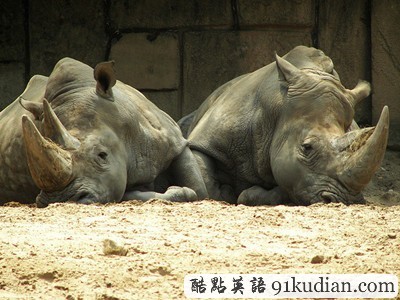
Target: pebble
[111, 248]
[317, 259]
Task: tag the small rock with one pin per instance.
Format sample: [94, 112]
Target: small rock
[137, 250]
[161, 270]
[392, 235]
[49, 276]
[317, 259]
[61, 287]
[111, 248]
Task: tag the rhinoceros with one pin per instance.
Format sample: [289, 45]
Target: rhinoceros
[81, 135]
[285, 134]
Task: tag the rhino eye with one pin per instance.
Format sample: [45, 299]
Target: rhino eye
[103, 155]
[307, 148]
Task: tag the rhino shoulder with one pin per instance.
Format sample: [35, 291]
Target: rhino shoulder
[161, 132]
[195, 116]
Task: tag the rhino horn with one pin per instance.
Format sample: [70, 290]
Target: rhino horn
[360, 92]
[49, 164]
[366, 152]
[55, 130]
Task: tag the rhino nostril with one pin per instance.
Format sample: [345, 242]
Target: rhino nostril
[328, 197]
[82, 196]
[85, 198]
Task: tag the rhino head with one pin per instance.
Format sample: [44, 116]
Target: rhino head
[318, 153]
[87, 162]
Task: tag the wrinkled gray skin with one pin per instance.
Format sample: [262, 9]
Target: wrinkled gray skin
[87, 137]
[285, 133]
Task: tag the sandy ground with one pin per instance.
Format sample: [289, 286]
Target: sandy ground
[58, 252]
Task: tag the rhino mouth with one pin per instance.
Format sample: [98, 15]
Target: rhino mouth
[328, 190]
[71, 193]
[329, 197]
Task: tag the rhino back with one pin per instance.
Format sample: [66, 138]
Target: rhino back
[14, 170]
[237, 126]
[198, 114]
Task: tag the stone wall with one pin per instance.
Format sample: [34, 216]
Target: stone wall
[385, 62]
[178, 51]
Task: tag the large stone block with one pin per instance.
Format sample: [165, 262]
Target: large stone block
[385, 21]
[213, 58]
[12, 82]
[344, 35]
[171, 13]
[167, 101]
[66, 28]
[275, 12]
[147, 61]
[12, 34]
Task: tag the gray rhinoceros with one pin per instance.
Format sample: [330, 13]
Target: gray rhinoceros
[285, 133]
[83, 136]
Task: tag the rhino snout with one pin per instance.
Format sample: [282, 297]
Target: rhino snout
[75, 192]
[332, 192]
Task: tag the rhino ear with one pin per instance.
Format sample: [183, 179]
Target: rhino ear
[286, 71]
[104, 74]
[360, 92]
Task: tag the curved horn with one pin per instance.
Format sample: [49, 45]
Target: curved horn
[55, 130]
[50, 166]
[366, 154]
